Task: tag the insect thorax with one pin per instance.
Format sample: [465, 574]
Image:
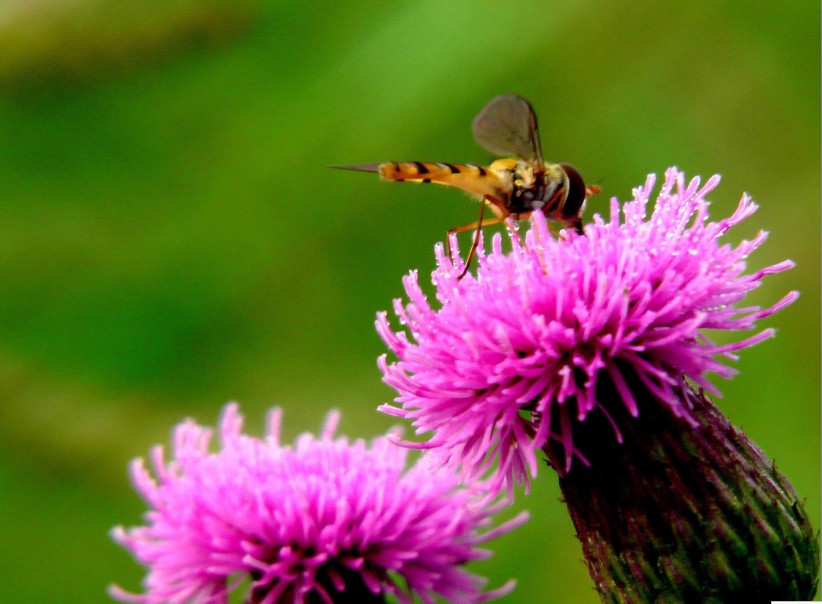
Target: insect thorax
[532, 190]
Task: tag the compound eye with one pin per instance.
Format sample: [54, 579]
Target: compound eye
[575, 198]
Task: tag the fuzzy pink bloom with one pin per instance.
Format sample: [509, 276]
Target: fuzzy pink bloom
[512, 358]
[320, 521]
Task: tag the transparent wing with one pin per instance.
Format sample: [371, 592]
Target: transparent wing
[507, 125]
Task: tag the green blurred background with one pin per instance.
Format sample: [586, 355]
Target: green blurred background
[170, 239]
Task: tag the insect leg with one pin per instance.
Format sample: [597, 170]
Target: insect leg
[475, 225]
[474, 243]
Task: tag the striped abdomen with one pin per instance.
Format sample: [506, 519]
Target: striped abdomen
[468, 177]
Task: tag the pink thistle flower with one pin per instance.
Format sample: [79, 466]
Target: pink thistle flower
[583, 347]
[325, 520]
[513, 357]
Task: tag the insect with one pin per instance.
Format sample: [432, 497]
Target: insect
[511, 187]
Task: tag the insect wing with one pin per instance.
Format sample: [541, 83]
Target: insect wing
[507, 125]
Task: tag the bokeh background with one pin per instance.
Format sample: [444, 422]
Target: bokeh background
[170, 238]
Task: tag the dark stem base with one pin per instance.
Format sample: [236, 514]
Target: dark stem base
[678, 513]
[354, 592]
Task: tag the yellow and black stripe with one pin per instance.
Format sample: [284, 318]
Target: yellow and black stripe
[468, 177]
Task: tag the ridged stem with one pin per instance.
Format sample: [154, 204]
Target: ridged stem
[683, 513]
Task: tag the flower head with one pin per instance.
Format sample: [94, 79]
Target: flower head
[515, 358]
[324, 520]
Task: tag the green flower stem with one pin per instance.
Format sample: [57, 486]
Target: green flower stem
[678, 513]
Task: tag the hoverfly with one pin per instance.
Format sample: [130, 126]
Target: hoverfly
[510, 187]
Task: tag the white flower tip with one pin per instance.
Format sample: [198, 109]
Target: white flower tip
[499, 592]
[231, 421]
[332, 421]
